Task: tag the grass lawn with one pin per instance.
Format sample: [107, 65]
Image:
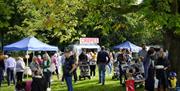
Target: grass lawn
[84, 85]
[91, 85]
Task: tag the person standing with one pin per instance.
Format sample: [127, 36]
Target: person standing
[46, 69]
[122, 60]
[110, 64]
[20, 66]
[54, 60]
[142, 54]
[62, 61]
[2, 67]
[162, 72]
[102, 60]
[76, 65]
[93, 64]
[34, 65]
[68, 68]
[10, 66]
[149, 70]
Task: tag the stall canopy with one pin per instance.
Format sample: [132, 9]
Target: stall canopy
[128, 45]
[30, 43]
[78, 47]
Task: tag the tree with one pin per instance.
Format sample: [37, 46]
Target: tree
[52, 21]
[118, 21]
[166, 13]
[5, 13]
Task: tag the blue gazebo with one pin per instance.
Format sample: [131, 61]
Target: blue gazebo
[30, 44]
[128, 45]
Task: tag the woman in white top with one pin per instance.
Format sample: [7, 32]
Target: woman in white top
[20, 66]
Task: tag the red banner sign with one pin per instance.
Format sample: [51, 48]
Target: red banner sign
[89, 40]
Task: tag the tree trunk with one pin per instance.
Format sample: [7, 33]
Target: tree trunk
[172, 43]
[2, 39]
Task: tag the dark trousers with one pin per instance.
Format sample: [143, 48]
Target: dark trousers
[1, 75]
[92, 70]
[150, 80]
[19, 76]
[57, 72]
[75, 75]
[10, 76]
[122, 73]
[69, 83]
[62, 78]
[47, 76]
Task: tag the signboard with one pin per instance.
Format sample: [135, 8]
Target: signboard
[89, 40]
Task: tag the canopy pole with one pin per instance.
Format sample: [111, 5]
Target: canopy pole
[33, 53]
[27, 57]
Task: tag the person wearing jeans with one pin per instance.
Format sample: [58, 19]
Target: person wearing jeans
[10, 66]
[102, 60]
[10, 76]
[109, 68]
[102, 71]
[69, 82]
[68, 68]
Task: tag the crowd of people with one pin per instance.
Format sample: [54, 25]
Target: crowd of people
[148, 67]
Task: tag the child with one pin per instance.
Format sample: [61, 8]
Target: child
[130, 81]
[173, 80]
[139, 66]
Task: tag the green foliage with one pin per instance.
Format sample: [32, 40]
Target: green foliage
[164, 13]
[47, 19]
[62, 22]
[5, 13]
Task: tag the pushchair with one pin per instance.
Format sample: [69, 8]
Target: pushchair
[116, 74]
[116, 71]
[138, 77]
[136, 74]
[84, 70]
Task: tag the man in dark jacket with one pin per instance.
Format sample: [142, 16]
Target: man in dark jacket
[68, 68]
[102, 60]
